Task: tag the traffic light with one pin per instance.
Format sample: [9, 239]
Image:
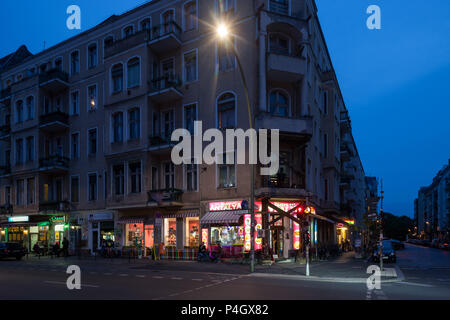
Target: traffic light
[306, 238]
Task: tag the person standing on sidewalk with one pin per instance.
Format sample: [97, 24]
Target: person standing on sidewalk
[65, 248]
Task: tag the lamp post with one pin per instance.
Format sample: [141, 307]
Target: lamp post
[223, 35]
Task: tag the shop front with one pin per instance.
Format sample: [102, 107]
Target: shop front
[101, 228]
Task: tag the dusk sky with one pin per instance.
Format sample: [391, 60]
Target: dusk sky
[395, 81]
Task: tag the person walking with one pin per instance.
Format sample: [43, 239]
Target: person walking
[65, 247]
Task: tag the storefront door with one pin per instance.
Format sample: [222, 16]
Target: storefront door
[278, 241]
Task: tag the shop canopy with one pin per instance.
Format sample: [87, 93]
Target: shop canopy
[131, 220]
[223, 217]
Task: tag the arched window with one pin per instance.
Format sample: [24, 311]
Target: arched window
[128, 31]
[226, 111]
[145, 24]
[279, 103]
[190, 15]
[168, 21]
[30, 108]
[133, 72]
[19, 111]
[117, 78]
[108, 41]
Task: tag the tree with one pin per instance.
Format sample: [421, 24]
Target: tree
[396, 227]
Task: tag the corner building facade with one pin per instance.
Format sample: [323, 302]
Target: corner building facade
[86, 129]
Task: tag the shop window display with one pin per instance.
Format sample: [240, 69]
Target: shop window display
[170, 232]
[227, 236]
[192, 232]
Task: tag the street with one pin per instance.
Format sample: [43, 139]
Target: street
[426, 274]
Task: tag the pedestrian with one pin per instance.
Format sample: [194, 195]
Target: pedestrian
[56, 249]
[65, 248]
[37, 249]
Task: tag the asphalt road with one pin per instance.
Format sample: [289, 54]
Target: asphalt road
[428, 279]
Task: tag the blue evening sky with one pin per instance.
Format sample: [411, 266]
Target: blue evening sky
[395, 81]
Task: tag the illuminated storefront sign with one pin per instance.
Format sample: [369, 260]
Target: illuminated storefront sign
[296, 236]
[285, 206]
[247, 232]
[205, 237]
[19, 219]
[59, 228]
[225, 206]
[350, 221]
[59, 219]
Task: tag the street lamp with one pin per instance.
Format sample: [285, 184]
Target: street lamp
[223, 33]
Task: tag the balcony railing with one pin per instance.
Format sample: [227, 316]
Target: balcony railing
[165, 29]
[54, 206]
[54, 161]
[53, 74]
[165, 195]
[159, 141]
[54, 117]
[127, 43]
[280, 6]
[165, 89]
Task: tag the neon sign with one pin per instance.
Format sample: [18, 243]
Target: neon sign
[19, 219]
[205, 237]
[247, 232]
[225, 206]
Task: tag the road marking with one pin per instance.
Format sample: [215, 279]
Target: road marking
[157, 277]
[140, 276]
[123, 275]
[175, 278]
[416, 284]
[64, 283]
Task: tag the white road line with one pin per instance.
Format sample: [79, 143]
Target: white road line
[416, 284]
[63, 283]
[175, 278]
[157, 277]
[197, 279]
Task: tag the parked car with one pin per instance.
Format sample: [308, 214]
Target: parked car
[12, 250]
[435, 243]
[388, 252]
[444, 245]
[397, 245]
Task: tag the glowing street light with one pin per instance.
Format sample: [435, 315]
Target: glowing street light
[222, 31]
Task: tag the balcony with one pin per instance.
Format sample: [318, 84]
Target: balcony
[54, 80]
[298, 127]
[5, 130]
[165, 38]
[54, 121]
[160, 143]
[285, 68]
[280, 187]
[5, 95]
[54, 164]
[52, 206]
[165, 89]
[170, 197]
[127, 43]
[279, 7]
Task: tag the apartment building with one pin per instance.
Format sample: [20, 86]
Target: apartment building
[432, 207]
[86, 127]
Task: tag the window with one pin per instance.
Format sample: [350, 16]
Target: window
[154, 178]
[117, 78]
[325, 145]
[279, 104]
[30, 191]
[108, 42]
[92, 55]
[105, 184]
[169, 175]
[75, 189]
[19, 151]
[92, 180]
[75, 103]
[325, 102]
[19, 192]
[190, 66]
[8, 195]
[75, 146]
[168, 18]
[190, 16]
[30, 108]
[118, 127]
[226, 58]
[75, 62]
[19, 111]
[128, 31]
[58, 64]
[146, 24]
[134, 124]
[227, 174]
[43, 68]
[279, 44]
[168, 124]
[92, 142]
[326, 189]
[191, 176]
[226, 107]
[92, 97]
[135, 173]
[119, 174]
[226, 6]
[190, 115]
[30, 149]
[134, 73]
